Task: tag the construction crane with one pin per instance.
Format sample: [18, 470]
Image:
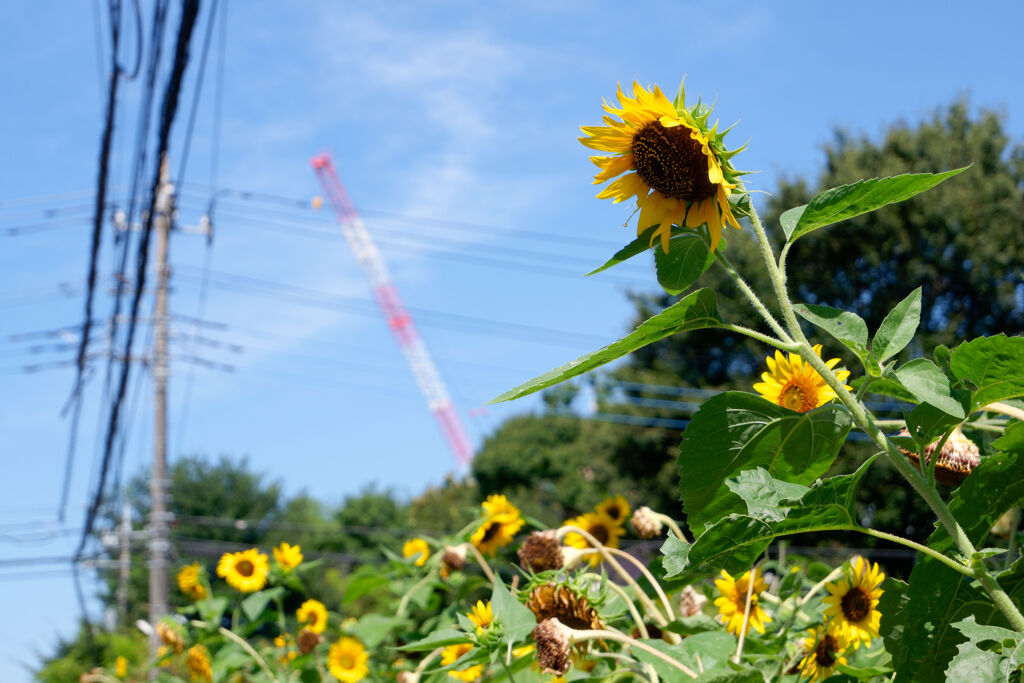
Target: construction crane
[390, 302]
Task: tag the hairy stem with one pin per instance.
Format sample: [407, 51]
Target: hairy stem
[576, 636]
[650, 577]
[752, 297]
[482, 562]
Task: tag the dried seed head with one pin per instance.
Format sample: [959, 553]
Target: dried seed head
[958, 457]
[453, 560]
[690, 602]
[308, 640]
[550, 601]
[646, 522]
[407, 677]
[552, 640]
[541, 551]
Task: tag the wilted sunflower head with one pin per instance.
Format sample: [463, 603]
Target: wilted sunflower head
[646, 523]
[792, 383]
[568, 605]
[677, 168]
[852, 602]
[171, 634]
[553, 646]
[541, 551]
[959, 455]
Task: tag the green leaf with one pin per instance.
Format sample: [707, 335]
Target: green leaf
[687, 259]
[972, 663]
[694, 311]
[516, 620]
[865, 673]
[363, 584]
[847, 201]
[211, 610]
[714, 648]
[440, 638]
[992, 366]
[937, 596]
[698, 623]
[1012, 439]
[254, 605]
[373, 629]
[676, 555]
[848, 328]
[638, 246]
[926, 423]
[735, 431]
[763, 494]
[885, 387]
[929, 384]
[735, 542]
[898, 328]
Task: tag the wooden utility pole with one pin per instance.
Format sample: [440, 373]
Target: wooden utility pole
[158, 516]
[124, 564]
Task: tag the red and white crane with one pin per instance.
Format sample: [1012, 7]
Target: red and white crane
[399, 320]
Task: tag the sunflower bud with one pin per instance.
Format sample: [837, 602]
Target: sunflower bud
[552, 640]
[541, 551]
[407, 677]
[453, 560]
[690, 602]
[308, 640]
[646, 522]
[959, 455]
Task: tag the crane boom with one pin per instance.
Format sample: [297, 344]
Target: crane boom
[397, 316]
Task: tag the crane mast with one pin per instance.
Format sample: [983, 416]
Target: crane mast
[427, 377]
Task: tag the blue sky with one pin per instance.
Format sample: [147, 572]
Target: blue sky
[454, 129]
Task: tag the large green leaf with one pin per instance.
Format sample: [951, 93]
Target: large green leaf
[929, 384]
[847, 201]
[687, 259]
[938, 596]
[638, 246]
[713, 648]
[695, 311]
[734, 543]
[516, 620]
[1012, 439]
[972, 663]
[898, 328]
[763, 494]
[439, 638]
[254, 604]
[735, 431]
[848, 328]
[993, 367]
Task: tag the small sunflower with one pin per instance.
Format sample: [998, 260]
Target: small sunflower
[794, 384]
[852, 603]
[245, 571]
[677, 168]
[416, 546]
[198, 664]
[600, 526]
[451, 654]
[346, 660]
[481, 615]
[120, 667]
[501, 522]
[733, 602]
[190, 583]
[615, 508]
[171, 634]
[288, 556]
[823, 652]
[313, 615]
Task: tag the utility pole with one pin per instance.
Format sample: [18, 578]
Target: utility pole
[124, 564]
[158, 517]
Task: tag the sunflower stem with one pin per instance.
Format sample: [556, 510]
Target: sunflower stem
[763, 338]
[578, 636]
[482, 562]
[639, 620]
[866, 422]
[1005, 409]
[650, 577]
[746, 616]
[425, 662]
[832, 576]
[671, 524]
[723, 261]
[404, 602]
[230, 635]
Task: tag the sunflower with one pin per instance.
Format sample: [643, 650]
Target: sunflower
[678, 169]
[120, 667]
[823, 651]
[794, 384]
[481, 615]
[346, 660]
[288, 556]
[245, 571]
[313, 615]
[600, 526]
[551, 601]
[733, 602]
[171, 634]
[852, 603]
[615, 508]
[501, 522]
[198, 663]
[189, 581]
[416, 546]
[452, 653]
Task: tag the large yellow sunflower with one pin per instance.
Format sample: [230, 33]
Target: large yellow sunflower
[794, 384]
[852, 602]
[245, 571]
[599, 525]
[615, 508]
[451, 654]
[733, 602]
[416, 547]
[823, 652]
[190, 581]
[677, 168]
[313, 615]
[346, 660]
[288, 556]
[501, 523]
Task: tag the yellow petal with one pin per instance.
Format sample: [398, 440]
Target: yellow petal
[611, 166]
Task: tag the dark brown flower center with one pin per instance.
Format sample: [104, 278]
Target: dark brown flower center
[613, 511]
[856, 604]
[825, 653]
[491, 531]
[600, 532]
[672, 162]
[245, 568]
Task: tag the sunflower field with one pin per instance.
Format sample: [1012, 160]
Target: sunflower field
[508, 598]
